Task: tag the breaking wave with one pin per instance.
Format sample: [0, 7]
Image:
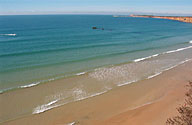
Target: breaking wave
[52, 104]
[155, 55]
[45, 107]
[81, 73]
[156, 74]
[141, 59]
[8, 34]
[177, 50]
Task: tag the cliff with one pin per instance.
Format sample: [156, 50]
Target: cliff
[178, 18]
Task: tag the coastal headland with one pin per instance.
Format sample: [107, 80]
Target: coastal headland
[186, 19]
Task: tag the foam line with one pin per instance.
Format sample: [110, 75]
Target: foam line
[45, 107]
[81, 73]
[30, 85]
[72, 123]
[148, 57]
[8, 34]
[171, 51]
[127, 83]
[177, 50]
[156, 74]
[48, 106]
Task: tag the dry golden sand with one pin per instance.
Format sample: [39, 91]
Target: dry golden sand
[148, 102]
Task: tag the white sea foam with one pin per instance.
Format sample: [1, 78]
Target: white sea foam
[177, 50]
[45, 107]
[80, 94]
[37, 83]
[81, 73]
[8, 34]
[30, 85]
[50, 105]
[148, 57]
[24, 86]
[171, 51]
[185, 61]
[96, 94]
[72, 123]
[122, 84]
[177, 64]
[156, 74]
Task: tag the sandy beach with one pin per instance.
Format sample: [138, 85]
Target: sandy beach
[123, 62]
[149, 101]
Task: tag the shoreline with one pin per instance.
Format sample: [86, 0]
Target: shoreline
[104, 109]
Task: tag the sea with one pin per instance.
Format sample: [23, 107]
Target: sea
[39, 50]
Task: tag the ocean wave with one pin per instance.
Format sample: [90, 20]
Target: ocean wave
[30, 85]
[182, 62]
[64, 49]
[156, 74]
[5, 90]
[80, 94]
[141, 59]
[8, 34]
[50, 105]
[72, 123]
[81, 73]
[20, 87]
[167, 52]
[122, 84]
[177, 50]
[185, 61]
[45, 107]
[190, 41]
[37, 83]
[71, 48]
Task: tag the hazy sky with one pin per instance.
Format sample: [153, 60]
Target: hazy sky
[94, 6]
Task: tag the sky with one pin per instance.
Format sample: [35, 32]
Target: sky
[12, 7]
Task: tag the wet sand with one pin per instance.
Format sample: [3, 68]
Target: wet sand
[149, 101]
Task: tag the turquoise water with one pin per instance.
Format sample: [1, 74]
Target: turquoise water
[42, 48]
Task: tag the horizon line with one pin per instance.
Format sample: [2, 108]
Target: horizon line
[91, 13]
